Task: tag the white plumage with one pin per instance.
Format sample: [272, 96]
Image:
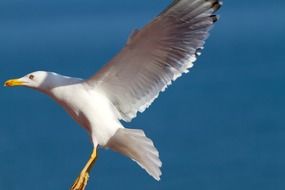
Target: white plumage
[153, 57]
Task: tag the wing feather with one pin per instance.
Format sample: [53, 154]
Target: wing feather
[156, 55]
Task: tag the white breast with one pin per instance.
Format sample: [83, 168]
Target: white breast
[91, 109]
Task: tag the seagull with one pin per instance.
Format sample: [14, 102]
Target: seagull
[151, 60]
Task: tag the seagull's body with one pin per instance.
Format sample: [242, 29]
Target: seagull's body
[152, 58]
[91, 108]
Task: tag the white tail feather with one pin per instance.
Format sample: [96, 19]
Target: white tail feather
[134, 144]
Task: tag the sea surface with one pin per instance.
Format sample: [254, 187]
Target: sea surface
[220, 127]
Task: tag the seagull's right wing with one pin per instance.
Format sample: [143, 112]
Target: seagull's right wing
[156, 55]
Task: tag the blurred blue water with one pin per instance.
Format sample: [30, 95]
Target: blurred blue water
[220, 127]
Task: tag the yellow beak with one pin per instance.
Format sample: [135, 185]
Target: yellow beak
[13, 82]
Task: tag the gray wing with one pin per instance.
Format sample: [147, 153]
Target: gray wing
[156, 55]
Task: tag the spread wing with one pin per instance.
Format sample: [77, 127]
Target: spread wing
[156, 55]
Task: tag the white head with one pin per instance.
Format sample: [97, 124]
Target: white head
[40, 80]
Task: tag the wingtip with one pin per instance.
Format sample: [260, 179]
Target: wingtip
[215, 18]
[157, 179]
[158, 176]
[217, 5]
[199, 51]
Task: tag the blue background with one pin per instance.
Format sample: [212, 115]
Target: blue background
[220, 127]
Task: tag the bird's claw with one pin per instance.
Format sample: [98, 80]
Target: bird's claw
[81, 182]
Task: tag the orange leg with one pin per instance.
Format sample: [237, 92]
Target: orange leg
[81, 182]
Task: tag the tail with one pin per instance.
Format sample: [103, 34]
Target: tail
[134, 144]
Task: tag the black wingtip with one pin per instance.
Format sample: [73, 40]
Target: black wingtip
[215, 18]
[217, 5]
[199, 51]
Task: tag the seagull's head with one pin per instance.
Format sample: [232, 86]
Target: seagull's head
[40, 80]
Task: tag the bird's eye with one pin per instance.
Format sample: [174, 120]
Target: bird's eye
[31, 77]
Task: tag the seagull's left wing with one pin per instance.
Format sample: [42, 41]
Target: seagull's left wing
[156, 55]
